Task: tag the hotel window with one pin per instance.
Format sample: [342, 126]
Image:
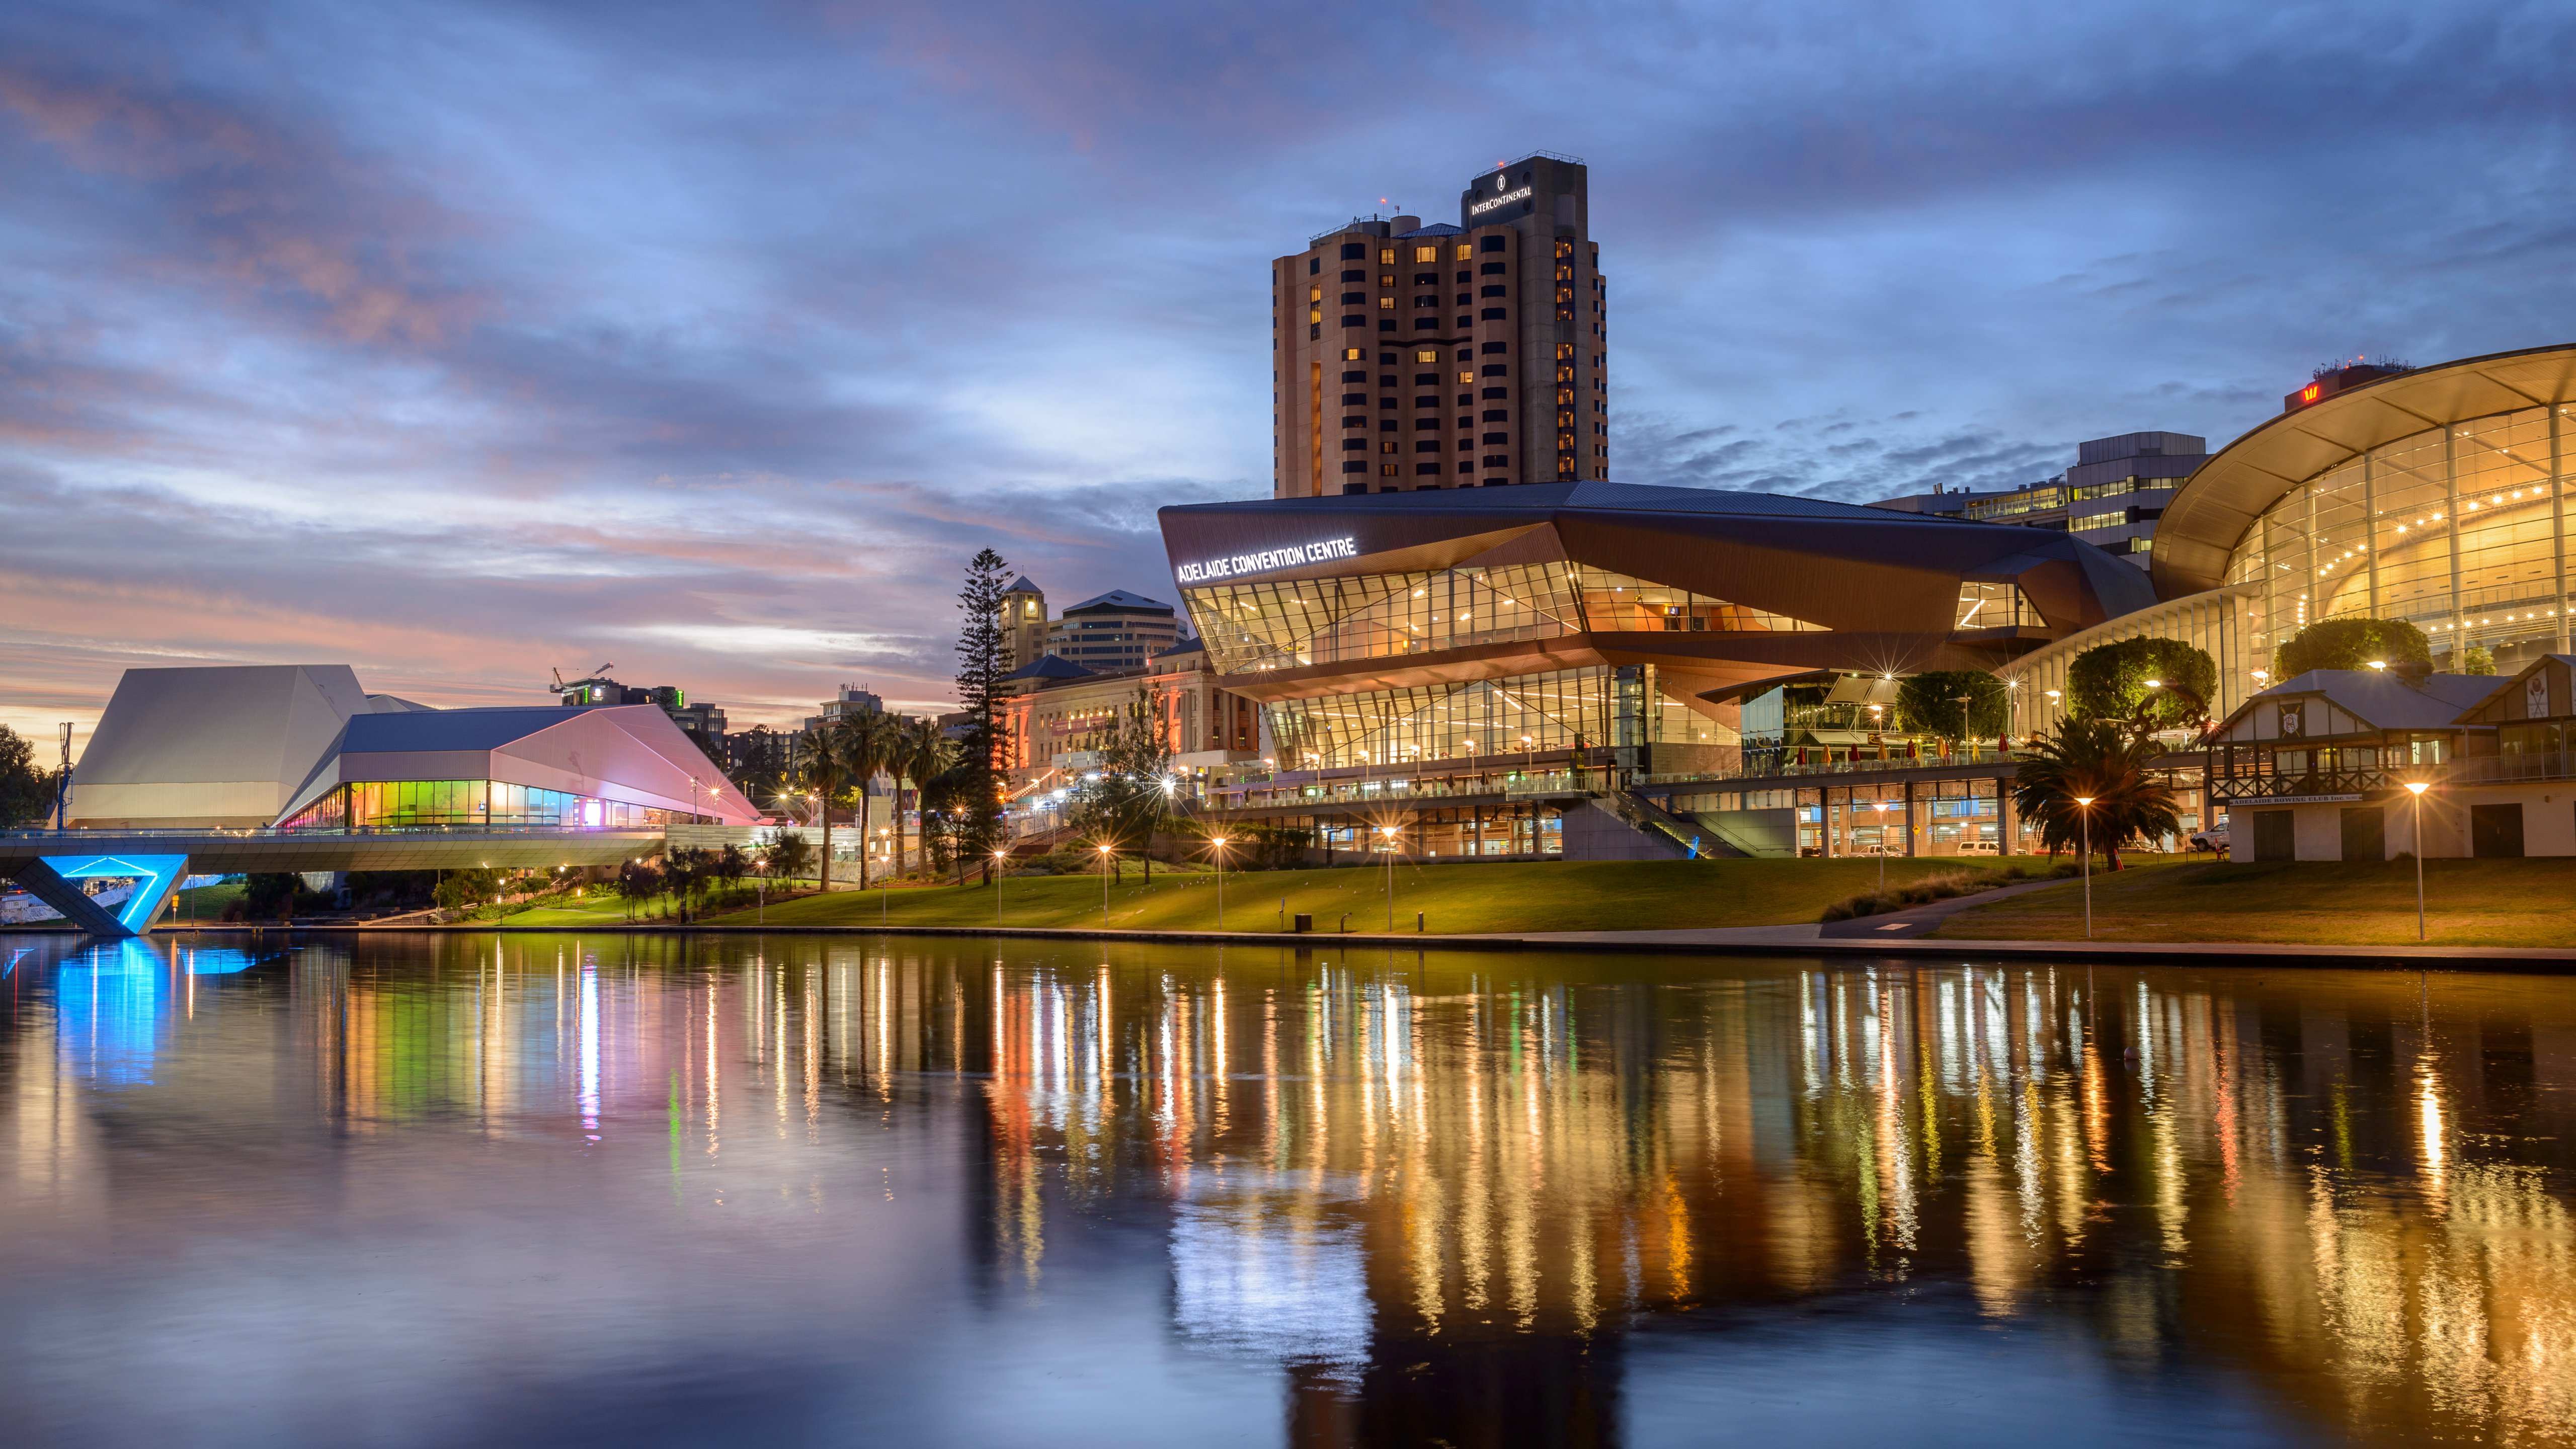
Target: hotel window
[1424, 357]
[1353, 299]
[1386, 258]
[1386, 304]
[1314, 294]
[1354, 354]
[1426, 254]
[1465, 251]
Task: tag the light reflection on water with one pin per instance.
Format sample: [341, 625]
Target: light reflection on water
[497, 1189]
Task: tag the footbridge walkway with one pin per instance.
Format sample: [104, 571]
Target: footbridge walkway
[52, 864]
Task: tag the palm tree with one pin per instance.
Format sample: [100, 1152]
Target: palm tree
[823, 773]
[866, 742]
[2106, 762]
[921, 753]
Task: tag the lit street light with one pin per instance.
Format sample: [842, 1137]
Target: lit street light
[2417, 788]
[1389, 832]
[2084, 826]
[1217, 844]
[1104, 885]
[1000, 855]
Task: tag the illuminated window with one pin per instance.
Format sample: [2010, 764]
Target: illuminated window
[1353, 354]
[2100, 520]
[1386, 304]
[1989, 605]
[1426, 254]
[1386, 258]
[1314, 294]
[1465, 251]
[1426, 357]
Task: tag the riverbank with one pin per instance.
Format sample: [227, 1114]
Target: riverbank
[2529, 904]
[1504, 898]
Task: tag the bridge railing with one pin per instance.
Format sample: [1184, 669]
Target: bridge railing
[266, 832]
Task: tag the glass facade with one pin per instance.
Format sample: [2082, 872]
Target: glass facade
[468, 805]
[1493, 719]
[2460, 530]
[1261, 626]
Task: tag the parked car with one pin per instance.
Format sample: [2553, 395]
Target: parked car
[2213, 841]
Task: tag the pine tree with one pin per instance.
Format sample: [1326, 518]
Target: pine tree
[976, 825]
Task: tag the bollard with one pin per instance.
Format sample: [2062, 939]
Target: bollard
[1417, 922]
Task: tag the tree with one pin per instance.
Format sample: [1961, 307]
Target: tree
[975, 817]
[1931, 702]
[2476, 659]
[787, 855]
[1136, 775]
[2349, 644]
[639, 881]
[730, 866]
[2109, 681]
[866, 742]
[2105, 761]
[922, 752]
[26, 792]
[823, 774]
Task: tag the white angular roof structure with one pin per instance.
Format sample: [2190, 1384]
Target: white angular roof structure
[226, 747]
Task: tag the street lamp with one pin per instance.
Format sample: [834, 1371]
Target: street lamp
[1218, 844]
[1104, 885]
[2084, 825]
[2417, 788]
[1000, 855]
[1389, 832]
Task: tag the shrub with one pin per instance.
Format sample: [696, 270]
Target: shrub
[2350, 644]
[2109, 681]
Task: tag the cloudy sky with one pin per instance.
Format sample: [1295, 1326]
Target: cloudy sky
[461, 342]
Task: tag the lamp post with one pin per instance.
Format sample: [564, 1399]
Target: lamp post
[1104, 885]
[1389, 832]
[2084, 827]
[2417, 788]
[1000, 855]
[1217, 844]
[1881, 807]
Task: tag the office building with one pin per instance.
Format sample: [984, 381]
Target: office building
[1409, 355]
[1060, 717]
[2111, 498]
[1024, 622]
[702, 722]
[1114, 633]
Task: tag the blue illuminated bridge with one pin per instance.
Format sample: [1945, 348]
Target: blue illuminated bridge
[53, 864]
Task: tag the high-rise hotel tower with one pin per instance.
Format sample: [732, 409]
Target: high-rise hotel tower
[1409, 356]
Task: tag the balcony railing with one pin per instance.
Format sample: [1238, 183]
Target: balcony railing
[2319, 782]
[2510, 769]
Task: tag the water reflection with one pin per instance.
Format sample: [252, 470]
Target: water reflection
[968, 1190]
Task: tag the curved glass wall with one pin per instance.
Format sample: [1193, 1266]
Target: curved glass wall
[2460, 530]
[1492, 719]
[467, 805]
[1259, 626]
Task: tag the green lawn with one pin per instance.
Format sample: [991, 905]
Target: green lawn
[2468, 903]
[1515, 896]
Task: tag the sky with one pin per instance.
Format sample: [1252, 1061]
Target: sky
[463, 343]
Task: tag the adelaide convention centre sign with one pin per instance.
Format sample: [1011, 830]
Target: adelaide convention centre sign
[1263, 561]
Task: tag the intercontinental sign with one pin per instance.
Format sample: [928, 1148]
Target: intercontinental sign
[1237, 565]
[1481, 207]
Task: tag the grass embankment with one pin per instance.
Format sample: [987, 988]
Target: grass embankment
[2326, 903]
[1454, 899]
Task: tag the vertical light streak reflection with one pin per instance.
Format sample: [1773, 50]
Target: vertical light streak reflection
[590, 1046]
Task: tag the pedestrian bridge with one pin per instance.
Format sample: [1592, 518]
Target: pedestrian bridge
[51, 864]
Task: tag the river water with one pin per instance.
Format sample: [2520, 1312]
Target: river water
[795, 1190]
